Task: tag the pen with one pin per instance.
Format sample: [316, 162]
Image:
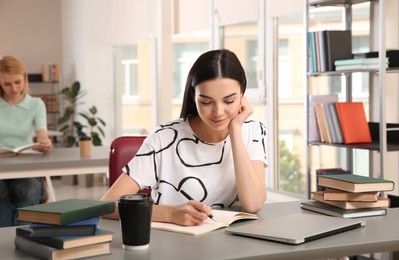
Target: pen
[190, 198]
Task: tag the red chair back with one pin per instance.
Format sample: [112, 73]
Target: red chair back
[122, 150]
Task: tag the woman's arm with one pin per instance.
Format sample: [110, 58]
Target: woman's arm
[188, 214]
[43, 140]
[250, 176]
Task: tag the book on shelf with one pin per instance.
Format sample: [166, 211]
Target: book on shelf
[312, 52]
[80, 228]
[338, 47]
[66, 242]
[325, 47]
[221, 219]
[65, 211]
[314, 135]
[344, 213]
[359, 66]
[355, 183]
[23, 149]
[46, 252]
[380, 203]
[322, 123]
[339, 195]
[336, 123]
[392, 55]
[330, 123]
[353, 122]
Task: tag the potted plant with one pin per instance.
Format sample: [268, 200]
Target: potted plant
[72, 129]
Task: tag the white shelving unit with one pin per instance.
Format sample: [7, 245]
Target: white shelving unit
[379, 143]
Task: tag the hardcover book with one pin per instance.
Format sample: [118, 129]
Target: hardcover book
[221, 218]
[85, 227]
[392, 55]
[65, 211]
[46, 252]
[353, 121]
[380, 203]
[339, 195]
[66, 242]
[355, 183]
[344, 213]
[328, 171]
[339, 47]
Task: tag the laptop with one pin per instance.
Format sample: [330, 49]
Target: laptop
[296, 228]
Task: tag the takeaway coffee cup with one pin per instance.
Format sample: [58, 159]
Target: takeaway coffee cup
[85, 144]
[135, 213]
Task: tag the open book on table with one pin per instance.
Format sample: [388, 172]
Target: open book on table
[24, 149]
[222, 219]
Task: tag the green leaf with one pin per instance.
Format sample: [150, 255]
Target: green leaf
[101, 131]
[92, 121]
[65, 127]
[75, 88]
[97, 141]
[70, 141]
[93, 110]
[84, 115]
[101, 121]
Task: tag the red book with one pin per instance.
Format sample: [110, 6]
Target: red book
[352, 117]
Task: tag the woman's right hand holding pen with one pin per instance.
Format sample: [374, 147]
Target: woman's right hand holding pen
[191, 213]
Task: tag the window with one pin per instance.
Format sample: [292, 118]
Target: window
[132, 79]
[184, 56]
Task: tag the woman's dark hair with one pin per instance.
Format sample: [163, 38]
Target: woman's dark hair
[211, 65]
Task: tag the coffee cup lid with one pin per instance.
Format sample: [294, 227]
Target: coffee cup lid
[135, 199]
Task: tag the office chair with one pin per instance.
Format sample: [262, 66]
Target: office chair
[122, 150]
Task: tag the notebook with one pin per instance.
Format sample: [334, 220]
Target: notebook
[296, 228]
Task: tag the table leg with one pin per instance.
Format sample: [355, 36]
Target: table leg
[50, 189]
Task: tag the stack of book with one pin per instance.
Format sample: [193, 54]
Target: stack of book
[337, 122]
[350, 196]
[358, 64]
[64, 229]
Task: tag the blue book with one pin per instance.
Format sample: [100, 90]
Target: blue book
[65, 242]
[80, 228]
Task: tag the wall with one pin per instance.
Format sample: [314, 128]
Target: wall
[87, 54]
[31, 31]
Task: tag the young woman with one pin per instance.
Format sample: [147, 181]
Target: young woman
[213, 152]
[21, 117]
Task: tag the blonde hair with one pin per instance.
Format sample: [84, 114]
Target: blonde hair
[11, 65]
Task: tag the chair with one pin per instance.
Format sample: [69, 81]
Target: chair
[122, 150]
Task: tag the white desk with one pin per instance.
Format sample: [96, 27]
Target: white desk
[59, 162]
[380, 234]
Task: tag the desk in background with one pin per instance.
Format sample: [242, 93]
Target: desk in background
[381, 234]
[59, 162]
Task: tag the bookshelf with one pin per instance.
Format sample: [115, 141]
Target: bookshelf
[385, 136]
[49, 92]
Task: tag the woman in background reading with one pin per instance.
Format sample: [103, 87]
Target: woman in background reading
[21, 117]
[213, 152]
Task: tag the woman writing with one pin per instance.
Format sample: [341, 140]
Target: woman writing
[21, 117]
[213, 152]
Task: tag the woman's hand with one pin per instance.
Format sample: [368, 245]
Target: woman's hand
[243, 114]
[44, 145]
[192, 213]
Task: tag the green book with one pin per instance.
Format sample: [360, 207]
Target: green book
[344, 213]
[65, 242]
[355, 183]
[357, 61]
[47, 252]
[65, 211]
